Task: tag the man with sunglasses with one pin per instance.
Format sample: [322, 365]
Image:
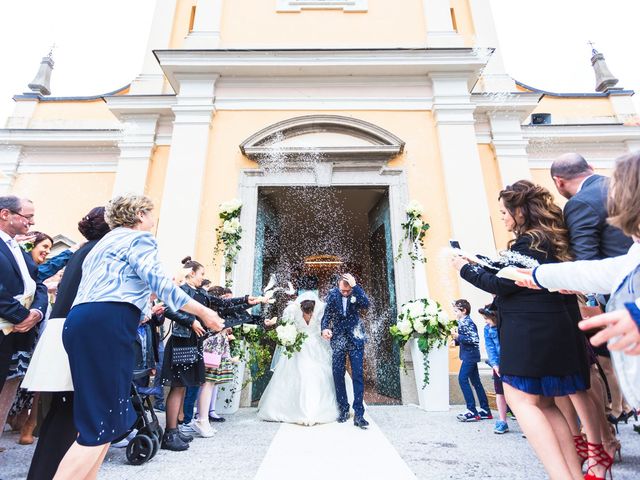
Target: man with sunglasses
[23, 300]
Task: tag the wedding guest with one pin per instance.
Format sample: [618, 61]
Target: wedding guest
[118, 276]
[24, 411]
[58, 432]
[467, 338]
[18, 279]
[183, 364]
[542, 352]
[618, 276]
[492, 344]
[591, 238]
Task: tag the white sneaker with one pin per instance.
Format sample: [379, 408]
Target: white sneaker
[202, 428]
[187, 428]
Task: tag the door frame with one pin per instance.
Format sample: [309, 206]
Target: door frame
[350, 175]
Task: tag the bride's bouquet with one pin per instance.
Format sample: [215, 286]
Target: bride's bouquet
[289, 338]
[425, 320]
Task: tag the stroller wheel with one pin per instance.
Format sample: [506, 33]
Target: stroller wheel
[139, 450]
[156, 446]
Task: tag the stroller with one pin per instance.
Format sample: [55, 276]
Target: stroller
[144, 446]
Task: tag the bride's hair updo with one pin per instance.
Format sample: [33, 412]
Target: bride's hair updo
[307, 306]
[537, 216]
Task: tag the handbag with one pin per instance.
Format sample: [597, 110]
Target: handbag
[211, 354]
[184, 355]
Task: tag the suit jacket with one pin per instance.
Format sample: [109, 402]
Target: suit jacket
[11, 284]
[585, 215]
[345, 327]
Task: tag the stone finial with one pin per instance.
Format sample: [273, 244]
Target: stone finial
[604, 78]
[41, 83]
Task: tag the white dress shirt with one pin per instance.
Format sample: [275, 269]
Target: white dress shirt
[344, 306]
[28, 282]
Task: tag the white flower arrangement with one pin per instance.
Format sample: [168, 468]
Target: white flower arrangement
[424, 319]
[414, 208]
[415, 230]
[230, 207]
[247, 327]
[353, 299]
[229, 234]
[231, 227]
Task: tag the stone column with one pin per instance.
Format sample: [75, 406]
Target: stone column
[151, 78]
[494, 76]
[136, 148]
[439, 25]
[466, 194]
[182, 194]
[510, 147]
[206, 26]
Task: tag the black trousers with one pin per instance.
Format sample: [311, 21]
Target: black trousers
[57, 434]
[6, 352]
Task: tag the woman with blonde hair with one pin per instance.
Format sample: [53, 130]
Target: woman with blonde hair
[118, 275]
[543, 353]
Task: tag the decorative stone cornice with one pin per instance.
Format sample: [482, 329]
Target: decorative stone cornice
[59, 137]
[328, 63]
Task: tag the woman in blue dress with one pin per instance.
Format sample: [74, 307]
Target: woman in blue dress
[543, 353]
[118, 276]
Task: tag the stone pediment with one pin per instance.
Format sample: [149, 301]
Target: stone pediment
[324, 137]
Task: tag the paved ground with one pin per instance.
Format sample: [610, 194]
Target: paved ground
[433, 446]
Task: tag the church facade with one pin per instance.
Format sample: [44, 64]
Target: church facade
[316, 113]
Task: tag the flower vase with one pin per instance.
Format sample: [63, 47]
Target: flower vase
[228, 400]
[434, 397]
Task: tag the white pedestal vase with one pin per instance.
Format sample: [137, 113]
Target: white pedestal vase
[228, 401]
[435, 396]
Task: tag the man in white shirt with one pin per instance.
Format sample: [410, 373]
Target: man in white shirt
[18, 278]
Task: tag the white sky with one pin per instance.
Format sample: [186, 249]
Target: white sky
[100, 45]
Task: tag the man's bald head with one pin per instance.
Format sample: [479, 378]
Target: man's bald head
[570, 166]
[568, 172]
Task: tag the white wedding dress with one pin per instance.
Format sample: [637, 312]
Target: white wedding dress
[302, 390]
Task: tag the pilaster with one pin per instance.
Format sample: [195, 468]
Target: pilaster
[206, 26]
[510, 147]
[136, 148]
[439, 25]
[466, 193]
[151, 78]
[9, 161]
[182, 194]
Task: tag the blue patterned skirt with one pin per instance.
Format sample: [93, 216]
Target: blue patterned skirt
[100, 340]
[548, 386]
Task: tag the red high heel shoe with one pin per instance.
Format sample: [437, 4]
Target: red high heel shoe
[602, 458]
[581, 448]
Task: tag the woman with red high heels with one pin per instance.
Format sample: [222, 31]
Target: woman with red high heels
[542, 353]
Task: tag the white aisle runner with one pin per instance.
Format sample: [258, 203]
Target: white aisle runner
[333, 451]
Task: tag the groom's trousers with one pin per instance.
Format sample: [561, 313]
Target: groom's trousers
[339, 360]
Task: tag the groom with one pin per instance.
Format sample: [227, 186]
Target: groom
[341, 325]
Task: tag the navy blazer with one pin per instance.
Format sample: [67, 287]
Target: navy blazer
[11, 285]
[349, 326]
[585, 215]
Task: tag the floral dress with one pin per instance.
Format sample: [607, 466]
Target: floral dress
[219, 344]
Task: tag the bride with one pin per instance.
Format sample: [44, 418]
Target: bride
[302, 390]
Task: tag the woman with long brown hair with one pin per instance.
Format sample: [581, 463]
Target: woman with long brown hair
[542, 351]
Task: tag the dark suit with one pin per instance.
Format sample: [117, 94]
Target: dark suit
[585, 215]
[348, 338]
[11, 285]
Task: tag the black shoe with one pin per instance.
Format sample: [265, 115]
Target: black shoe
[343, 417]
[186, 438]
[360, 422]
[217, 419]
[172, 441]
